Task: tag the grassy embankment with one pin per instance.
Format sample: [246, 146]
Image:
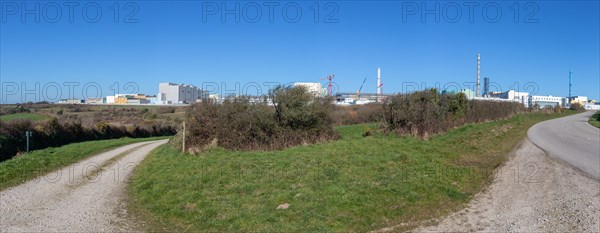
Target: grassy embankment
[29, 166]
[25, 116]
[595, 119]
[354, 184]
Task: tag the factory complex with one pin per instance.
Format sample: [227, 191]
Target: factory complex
[184, 94]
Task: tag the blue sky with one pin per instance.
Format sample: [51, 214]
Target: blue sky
[189, 42]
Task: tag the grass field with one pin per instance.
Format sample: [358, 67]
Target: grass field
[355, 184]
[595, 119]
[29, 116]
[23, 168]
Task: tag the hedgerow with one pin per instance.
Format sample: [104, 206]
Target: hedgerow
[428, 112]
[295, 117]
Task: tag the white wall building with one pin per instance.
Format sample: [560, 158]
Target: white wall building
[314, 88]
[545, 101]
[172, 93]
[521, 97]
[577, 99]
[591, 106]
[110, 99]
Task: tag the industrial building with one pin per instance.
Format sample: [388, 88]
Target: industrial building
[582, 100]
[545, 101]
[130, 99]
[316, 89]
[592, 106]
[70, 101]
[172, 93]
[95, 100]
[516, 96]
[470, 94]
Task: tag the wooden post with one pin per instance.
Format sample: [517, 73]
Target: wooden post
[183, 140]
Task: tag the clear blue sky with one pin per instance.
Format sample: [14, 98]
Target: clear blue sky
[183, 42]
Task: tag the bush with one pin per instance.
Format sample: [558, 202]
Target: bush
[296, 117]
[428, 112]
[163, 110]
[577, 107]
[367, 132]
[51, 133]
[357, 114]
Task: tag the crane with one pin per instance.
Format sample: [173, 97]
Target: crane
[360, 89]
[330, 85]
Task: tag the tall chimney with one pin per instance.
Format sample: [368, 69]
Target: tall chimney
[486, 86]
[478, 93]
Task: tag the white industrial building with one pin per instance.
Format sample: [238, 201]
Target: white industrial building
[316, 89]
[577, 99]
[172, 93]
[545, 101]
[512, 95]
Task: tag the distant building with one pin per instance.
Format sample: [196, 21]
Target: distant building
[582, 100]
[70, 101]
[468, 93]
[130, 99]
[591, 106]
[521, 97]
[214, 97]
[486, 87]
[95, 101]
[172, 93]
[110, 99]
[545, 101]
[316, 89]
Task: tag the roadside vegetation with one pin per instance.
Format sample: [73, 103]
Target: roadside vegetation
[56, 125]
[36, 163]
[358, 183]
[428, 112]
[595, 119]
[52, 133]
[296, 117]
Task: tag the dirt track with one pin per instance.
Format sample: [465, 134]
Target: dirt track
[532, 192]
[87, 196]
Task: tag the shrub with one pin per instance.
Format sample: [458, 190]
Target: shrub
[367, 132]
[428, 112]
[357, 114]
[577, 107]
[163, 110]
[52, 133]
[295, 117]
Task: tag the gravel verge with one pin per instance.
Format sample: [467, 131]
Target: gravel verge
[532, 192]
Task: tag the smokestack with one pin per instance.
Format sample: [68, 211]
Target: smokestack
[478, 93]
[486, 86]
[378, 83]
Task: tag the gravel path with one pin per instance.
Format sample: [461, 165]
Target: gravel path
[532, 192]
[86, 196]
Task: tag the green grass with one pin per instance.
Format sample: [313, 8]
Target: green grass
[31, 165]
[595, 119]
[29, 116]
[355, 184]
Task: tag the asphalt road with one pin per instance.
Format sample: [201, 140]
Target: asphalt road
[571, 139]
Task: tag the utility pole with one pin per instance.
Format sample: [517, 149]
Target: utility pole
[478, 93]
[570, 80]
[183, 140]
[28, 134]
